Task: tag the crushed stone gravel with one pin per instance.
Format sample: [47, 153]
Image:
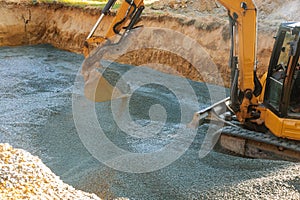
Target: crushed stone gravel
[24, 176]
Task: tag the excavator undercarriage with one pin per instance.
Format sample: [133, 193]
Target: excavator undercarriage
[247, 143]
[238, 140]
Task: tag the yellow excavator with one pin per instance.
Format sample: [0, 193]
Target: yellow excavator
[263, 116]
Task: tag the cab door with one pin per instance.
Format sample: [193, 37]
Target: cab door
[282, 84]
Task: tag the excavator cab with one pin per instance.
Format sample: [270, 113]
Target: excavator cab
[282, 96]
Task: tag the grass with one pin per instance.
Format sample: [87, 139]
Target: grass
[80, 3]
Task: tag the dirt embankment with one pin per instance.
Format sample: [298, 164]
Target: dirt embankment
[206, 22]
[64, 27]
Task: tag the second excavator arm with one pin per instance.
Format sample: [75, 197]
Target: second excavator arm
[96, 88]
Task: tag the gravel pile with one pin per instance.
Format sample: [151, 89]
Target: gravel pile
[23, 176]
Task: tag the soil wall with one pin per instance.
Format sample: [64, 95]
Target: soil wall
[67, 27]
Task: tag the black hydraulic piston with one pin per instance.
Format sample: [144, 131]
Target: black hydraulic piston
[135, 18]
[108, 6]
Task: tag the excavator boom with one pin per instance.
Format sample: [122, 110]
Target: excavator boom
[243, 16]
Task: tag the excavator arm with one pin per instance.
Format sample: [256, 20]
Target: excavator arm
[243, 16]
[245, 87]
[96, 87]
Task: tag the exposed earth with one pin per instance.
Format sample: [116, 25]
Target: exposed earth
[204, 21]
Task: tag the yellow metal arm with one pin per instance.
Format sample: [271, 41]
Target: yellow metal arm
[127, 15]
[243, 16]
[244, 13]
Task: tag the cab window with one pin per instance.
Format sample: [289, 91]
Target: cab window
[278, 72]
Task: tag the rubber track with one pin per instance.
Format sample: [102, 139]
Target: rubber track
[267, 138]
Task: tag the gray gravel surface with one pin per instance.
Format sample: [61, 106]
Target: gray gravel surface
[36, 115]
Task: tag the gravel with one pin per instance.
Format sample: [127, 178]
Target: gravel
[24, 176]
[37, 117]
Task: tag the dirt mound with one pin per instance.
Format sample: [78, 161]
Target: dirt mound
[276, 9]
[189, 7]
[269, 11]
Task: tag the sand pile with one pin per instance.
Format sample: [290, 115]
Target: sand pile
[23, 176]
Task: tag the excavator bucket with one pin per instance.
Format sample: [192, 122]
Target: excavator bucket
[101, 83]
[98, 89]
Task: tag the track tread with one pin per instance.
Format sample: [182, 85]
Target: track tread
[267, 138]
